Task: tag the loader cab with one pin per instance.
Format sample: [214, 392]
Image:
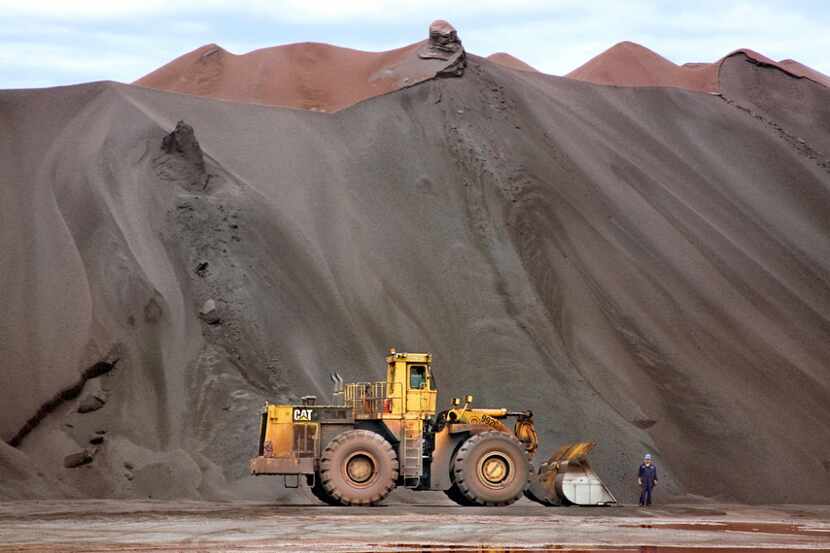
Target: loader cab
[411, 385]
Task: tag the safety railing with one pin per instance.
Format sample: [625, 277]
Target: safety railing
[372, 398]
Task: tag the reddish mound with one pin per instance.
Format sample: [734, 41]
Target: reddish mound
[304, 75]
[802, 70]
[791, 67]
[329, 78]
[505, 59]
[629, 64]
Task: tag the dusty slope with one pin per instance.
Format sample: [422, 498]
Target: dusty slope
[799, 105]
[304, 75]
[647, 268]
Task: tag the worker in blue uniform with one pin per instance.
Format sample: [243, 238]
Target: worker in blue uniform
[647, 479]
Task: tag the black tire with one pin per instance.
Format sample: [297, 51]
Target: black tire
[318, 491]
[358, 467]
[491, 469]
[456, 495]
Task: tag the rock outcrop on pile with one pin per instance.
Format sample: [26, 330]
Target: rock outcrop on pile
[444, 44]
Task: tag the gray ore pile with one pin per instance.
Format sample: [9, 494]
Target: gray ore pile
[647, 268]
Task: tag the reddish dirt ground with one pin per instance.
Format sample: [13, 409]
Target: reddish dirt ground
[111, 525]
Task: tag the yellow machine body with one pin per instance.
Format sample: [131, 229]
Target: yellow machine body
[289, 440]
[407, 393]
[401, 412]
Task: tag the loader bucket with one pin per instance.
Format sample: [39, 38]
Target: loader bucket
[566, 478]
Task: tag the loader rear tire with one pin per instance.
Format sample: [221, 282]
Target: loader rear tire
[358, 467]
[491, 468]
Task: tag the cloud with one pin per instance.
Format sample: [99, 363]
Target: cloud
[74, 54]
[402, 10]
[298, 11]
[85, 9]
[559, 43]
[49, 59]
[61, 42]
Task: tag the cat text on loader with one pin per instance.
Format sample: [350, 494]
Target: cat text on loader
[379, 435]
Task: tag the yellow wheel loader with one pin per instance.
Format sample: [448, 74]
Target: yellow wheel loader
[379, 435]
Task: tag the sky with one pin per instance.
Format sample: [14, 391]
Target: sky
[58, 42]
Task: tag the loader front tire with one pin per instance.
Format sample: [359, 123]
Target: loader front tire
[318, 491]
[490, 469]
[358, 467]
[455, 494]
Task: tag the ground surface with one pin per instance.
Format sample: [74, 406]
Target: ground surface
[246, 526]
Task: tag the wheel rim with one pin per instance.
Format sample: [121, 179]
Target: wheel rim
[495, 470]
[360, 468]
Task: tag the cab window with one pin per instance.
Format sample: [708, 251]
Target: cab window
[417, 377]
